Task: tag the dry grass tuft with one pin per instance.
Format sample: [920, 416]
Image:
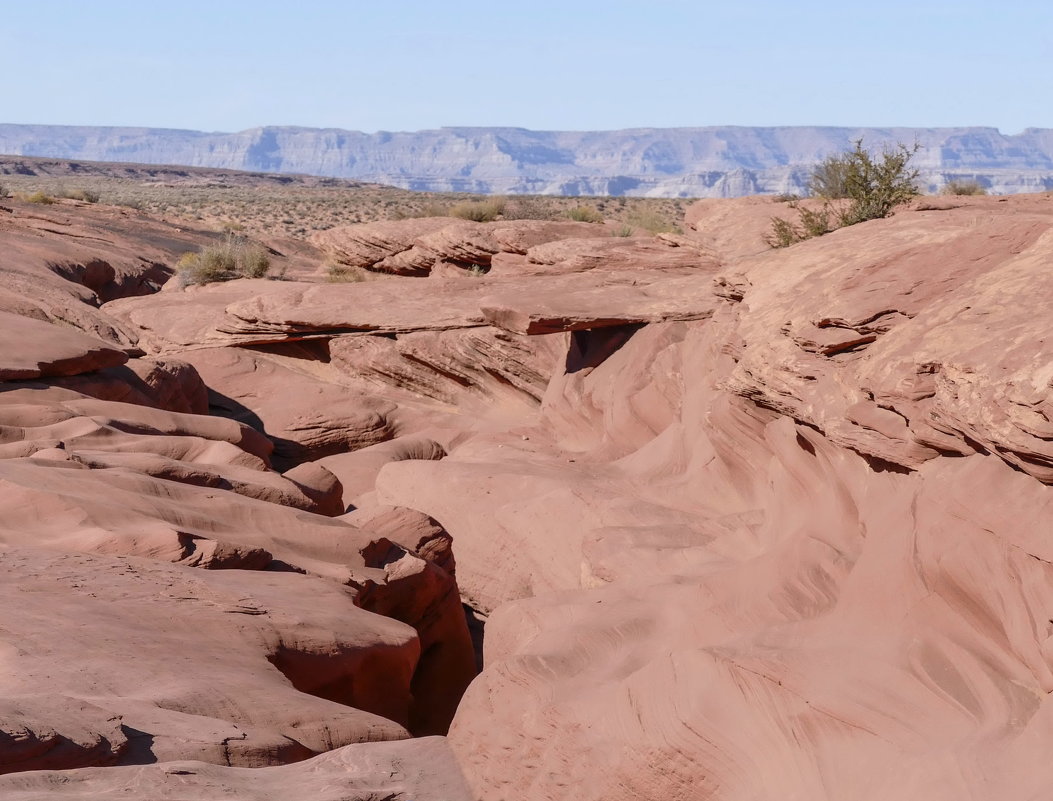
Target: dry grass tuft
[234, 257]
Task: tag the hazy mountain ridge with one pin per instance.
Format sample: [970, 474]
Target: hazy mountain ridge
[723, 161]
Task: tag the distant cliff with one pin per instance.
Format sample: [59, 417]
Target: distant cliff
[660, 162]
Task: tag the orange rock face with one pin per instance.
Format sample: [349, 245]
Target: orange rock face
[740, 523]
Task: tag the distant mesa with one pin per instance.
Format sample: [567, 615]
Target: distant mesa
[719, 161]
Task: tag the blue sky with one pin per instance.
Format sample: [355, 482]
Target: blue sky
[399, 65]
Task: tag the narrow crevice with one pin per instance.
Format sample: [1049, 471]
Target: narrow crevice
[477, 629]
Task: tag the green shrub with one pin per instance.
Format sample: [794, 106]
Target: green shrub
[625, 230]
[867, 188]
[783, 233]
[478, 210]
[964, 188]
[584, 214]
[235, 257]
[875, 187]
[810, 224]
[830, 177]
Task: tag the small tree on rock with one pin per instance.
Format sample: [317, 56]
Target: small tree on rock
[872, 186]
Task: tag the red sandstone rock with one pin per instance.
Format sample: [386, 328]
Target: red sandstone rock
[306, 417]
[421, 769]
[777, 527]
[471, 368]
[240, 668]
[34, 349]
[608, 253]
[357, 470]
[162, 383]
[416, 246]
[368, 244]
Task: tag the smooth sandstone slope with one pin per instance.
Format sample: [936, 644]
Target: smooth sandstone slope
[795, 550]
[170, 596]
[417, 770]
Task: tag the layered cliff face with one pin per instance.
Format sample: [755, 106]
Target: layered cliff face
[742, 523]
[676, 162]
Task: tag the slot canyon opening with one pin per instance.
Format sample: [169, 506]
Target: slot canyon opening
[591, 347]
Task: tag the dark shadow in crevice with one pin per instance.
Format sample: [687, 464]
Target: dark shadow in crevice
[591, 347]
[311, 350]
[477, 629]
[805, 445]
[140, 748]
[879, 465]
[287, 452]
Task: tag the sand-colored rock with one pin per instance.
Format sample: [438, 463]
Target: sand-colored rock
[270, 676]
[34, 349]
[368, 244]
[111, 478]
[168, 384]
[687, 465]
[468, 368]
[618, 299]
[417, 246]
[771, 524]
[34, 417]
[357, 470]
[405, 770]
[912, 337]
[304, 415]
[608, 253]
[248, 312]
[259, 312]
[61, 261]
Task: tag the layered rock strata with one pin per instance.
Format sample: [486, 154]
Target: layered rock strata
[742, 523]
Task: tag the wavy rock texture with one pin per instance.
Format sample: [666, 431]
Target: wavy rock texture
[422, 770]
[780, 590]
[742, 524]
[168, 595]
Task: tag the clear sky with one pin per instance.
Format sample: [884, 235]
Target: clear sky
[574, 65]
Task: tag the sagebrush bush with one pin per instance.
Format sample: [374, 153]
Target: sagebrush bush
[584, 214]
[811, 223]
[529, 208]
[964, 188]
[433, 209]
[87, 195]
[875, 187]
[830, 178]
[346, 274]
[478, 210]
[39, 197]
[864, 186]
[234, 257]
[654, 222]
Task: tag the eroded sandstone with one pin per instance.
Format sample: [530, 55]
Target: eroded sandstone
[743, 523]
